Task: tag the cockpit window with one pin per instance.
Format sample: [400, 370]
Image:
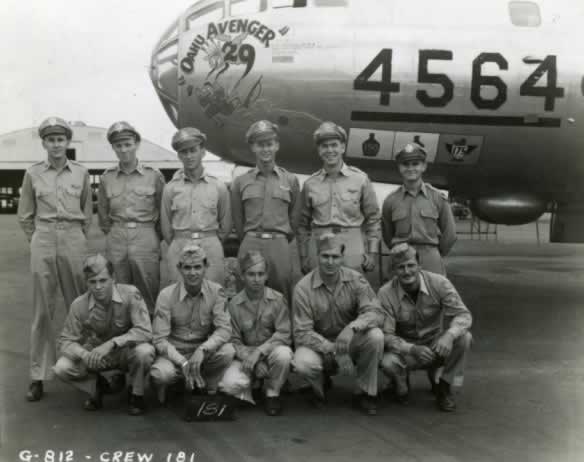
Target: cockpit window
[524, 14]
[244, 7]
[210, 13]
[329, 3]
[288, 3]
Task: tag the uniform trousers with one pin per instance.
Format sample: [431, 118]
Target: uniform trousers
[135, 360]
[236, 382]
[215, 257]
[57, 252]
[366, 351]
[396, 365]
[135, 254]
[164, 372]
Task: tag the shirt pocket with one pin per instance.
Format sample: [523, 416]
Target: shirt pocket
[72, 197]
[429, 217]
[319, 198]
[252, 191]
[144, 198]
[205, 318]
[43, 195]
[121, 324]
[399, 218]
[430, 313]
[266, 325]
[351, 203]
[283, 193]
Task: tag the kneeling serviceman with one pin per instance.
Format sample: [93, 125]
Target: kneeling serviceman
[191, 328]
[337, 320]
[107, 328]
[261, 334]
[426, 327]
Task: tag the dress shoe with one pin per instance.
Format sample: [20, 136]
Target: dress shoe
[365, 403]
[327, 383]
[136, 405]
[401, 389]
[272, 405]
[35, 391]
[444, 399]
[257, 395]
[316, 401]
[93, 404]
[431, 373]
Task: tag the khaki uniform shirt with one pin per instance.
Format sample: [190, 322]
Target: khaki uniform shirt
[51, 195]
[438, 308]
[129, 197]
[321, 314]
[423, 219]
[347, 201]
[261, 203]
[89, 324]
[265, 325]
[183, 322]
[197, 206]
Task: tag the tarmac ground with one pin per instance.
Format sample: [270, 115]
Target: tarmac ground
[523, 398]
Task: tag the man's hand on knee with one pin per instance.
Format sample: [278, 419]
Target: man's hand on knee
[423, 354]
[443, 346]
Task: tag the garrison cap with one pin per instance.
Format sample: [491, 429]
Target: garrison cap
[95, 264]
[402, 252]
[328, 131]
[192, 251]
[188, 137]
[249, 259]
[55, 126]
[411, 151]
[329, 241]
[120, 130]
[261, 129]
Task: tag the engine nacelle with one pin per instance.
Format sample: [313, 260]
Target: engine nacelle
[509, 209]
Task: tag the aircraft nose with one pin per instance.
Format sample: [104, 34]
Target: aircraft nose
[164, 71]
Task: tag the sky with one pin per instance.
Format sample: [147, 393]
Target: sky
[83, 60]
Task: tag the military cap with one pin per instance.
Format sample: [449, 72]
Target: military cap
[55, 126]
[249, 259]
[329, 241]
[402, 252]
[188, 137]
[411, 151]
[120, 130]
[192, 251]
[261, 129]
[328, 131]
[95, 264]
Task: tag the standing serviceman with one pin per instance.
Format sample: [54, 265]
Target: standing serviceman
[54, 211]
[265, 203]
[418, 213]
[195, 206]
[129, 211]
[339, 199]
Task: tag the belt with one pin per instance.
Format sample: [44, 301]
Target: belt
[58, 224]
[133, 224]
[194, 234]
[268, 235]
[337, 229]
